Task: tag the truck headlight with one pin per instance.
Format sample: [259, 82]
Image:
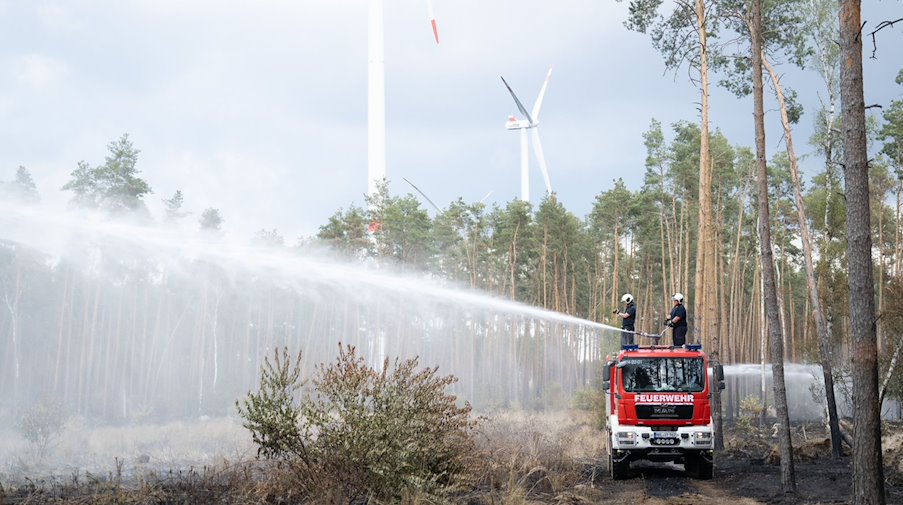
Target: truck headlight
[702, 437]
[627, 437]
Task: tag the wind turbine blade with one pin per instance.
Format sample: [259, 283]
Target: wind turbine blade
[542, 94]
[429, 6]
[487, 196]
[423, 195]
[520, 106]
[537, 148]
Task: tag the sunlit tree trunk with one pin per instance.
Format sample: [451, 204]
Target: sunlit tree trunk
[675, 249]
[736, 297]
[897, 252]
[703, 254]
[667, 256]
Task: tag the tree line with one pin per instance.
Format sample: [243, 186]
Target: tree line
[775, 266]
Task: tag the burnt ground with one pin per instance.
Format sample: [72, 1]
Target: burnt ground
[739, 480]
[746, 473]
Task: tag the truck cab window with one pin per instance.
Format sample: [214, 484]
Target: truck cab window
[663, 375]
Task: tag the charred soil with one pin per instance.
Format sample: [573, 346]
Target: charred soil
[548, 459]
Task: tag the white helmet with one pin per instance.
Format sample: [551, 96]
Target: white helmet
[678, 297]
[627, 298]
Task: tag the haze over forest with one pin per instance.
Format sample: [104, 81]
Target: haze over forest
[137, 303]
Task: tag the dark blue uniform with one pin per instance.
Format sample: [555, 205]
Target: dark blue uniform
[679, 330]
[628, 324]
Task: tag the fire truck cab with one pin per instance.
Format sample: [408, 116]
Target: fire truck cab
[658, 405]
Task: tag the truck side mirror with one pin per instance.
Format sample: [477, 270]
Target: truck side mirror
[721, 386]
[606, 373]
[719, 373]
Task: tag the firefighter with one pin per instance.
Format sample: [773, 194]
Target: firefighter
[628, 317]
[678, 321]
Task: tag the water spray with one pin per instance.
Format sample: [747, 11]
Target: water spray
[192, 332]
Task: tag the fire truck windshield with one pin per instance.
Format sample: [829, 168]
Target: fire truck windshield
[662, 374]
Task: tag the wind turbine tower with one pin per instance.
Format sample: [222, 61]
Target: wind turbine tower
[530, 122]
[376, 92]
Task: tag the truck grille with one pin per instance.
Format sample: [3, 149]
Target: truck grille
[664, 411]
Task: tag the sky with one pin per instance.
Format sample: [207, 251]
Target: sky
[259, 108]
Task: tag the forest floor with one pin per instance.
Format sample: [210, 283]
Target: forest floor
[530, 459]
[739, 479]
[747, 472]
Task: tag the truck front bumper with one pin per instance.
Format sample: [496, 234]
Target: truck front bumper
[654, 439]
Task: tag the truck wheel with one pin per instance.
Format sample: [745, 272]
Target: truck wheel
[705, 469]
[697, 466]
[690, 464]
[618, 469]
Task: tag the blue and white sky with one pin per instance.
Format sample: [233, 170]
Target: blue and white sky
[258, 108]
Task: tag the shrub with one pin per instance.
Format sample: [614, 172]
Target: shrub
[364, 432]
[43, 423]
[271, 414]
[591, 400]
[751, 410]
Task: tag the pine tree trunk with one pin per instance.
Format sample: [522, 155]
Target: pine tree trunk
[897, 252]
[878, 326]
[703, 306]
[868, 470]
[667, 248]
[821, 326]
[788, 477]
[614, 275]
[763, 340]
[736, 281]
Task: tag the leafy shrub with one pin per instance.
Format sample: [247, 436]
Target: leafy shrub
[364, 432]
[43, 423]
[271, 414]
[751, 410]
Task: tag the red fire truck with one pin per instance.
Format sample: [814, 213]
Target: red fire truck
[658, 401]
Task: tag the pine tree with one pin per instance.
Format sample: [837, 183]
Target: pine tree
[114, 186]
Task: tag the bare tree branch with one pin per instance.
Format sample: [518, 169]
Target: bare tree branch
[882, 25]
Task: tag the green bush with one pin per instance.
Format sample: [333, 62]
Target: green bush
[43, 423]
[271, 414]
[751, 410]
[364, 432]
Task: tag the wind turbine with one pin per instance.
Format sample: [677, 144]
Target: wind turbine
[376, 93]
[531, 122]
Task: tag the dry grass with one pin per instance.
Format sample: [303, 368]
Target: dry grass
[137, 449]
[226, 485]
[523, 459]
[892, 445]
[526, 456]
